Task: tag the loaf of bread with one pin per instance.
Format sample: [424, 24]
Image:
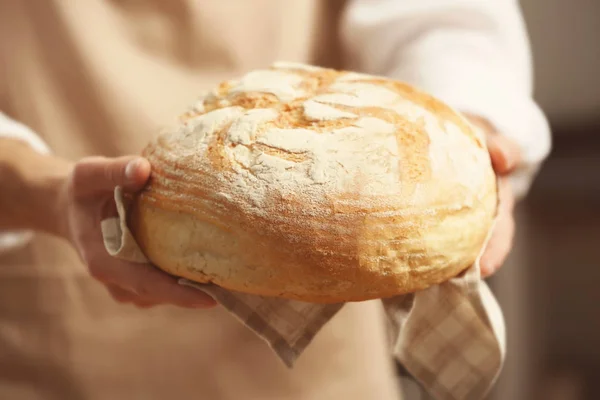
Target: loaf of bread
[317, 185]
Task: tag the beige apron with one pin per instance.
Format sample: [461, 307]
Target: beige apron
[101, 77]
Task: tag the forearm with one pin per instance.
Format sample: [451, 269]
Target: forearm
[32, 188]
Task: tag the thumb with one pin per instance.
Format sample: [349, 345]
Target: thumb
[95, 175]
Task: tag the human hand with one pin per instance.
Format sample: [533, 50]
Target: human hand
[87, 199]
[505, 156]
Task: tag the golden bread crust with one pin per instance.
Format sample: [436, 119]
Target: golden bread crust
[316, 185]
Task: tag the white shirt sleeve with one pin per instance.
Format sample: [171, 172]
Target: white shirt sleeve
[472, 54]
[12, 129]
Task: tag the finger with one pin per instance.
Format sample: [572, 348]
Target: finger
[506, 196]
[127, 297]
[151, 284]
[120, 295]
[498, 248]
[95, 175]
[504, 152]
[145, 305]
[501, 241]
[108, 208]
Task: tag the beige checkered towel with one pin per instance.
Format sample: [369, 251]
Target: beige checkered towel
[450, 337]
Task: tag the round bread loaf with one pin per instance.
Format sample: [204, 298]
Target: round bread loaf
[316, 185]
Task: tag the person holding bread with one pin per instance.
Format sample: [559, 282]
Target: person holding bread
[85, 87]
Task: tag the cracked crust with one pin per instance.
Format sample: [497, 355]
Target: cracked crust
[316, 185]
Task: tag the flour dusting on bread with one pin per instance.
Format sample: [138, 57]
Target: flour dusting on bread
[354, 178]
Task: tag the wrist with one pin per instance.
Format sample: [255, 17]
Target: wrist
[33, 195]
[54, 185]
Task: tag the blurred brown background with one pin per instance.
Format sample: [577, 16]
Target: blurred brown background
[550, 288]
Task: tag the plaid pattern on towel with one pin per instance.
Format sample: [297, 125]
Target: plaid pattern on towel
[449, 337]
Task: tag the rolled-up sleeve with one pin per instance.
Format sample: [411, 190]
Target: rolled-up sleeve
[473, 55]
[15, 130]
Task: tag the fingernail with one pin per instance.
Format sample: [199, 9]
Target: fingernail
[131, 169]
